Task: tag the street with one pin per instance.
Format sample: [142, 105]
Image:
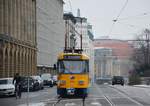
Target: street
[99, 95]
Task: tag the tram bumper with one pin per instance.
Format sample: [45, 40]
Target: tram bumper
[70, 91]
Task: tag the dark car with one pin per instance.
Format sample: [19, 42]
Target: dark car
[33, 84]
[117, 80]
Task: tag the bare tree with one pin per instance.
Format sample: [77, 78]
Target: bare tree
[141, 54]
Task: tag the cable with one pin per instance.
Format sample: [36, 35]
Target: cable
[122, 9]
[136, 16]
[115, 20]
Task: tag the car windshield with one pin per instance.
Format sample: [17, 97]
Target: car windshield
[73, 66]
[3, 82]
[46, 76]
[118, 77]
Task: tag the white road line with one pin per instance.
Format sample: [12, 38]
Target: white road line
[33, 104]
[70, 104]
[95, 103]
[108, 100]
[139, 104]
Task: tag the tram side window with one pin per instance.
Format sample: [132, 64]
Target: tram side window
[61, 67]
[87, 66]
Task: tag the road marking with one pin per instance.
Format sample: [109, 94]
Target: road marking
[33, 104]
[96, 104]
[70, 104]
[107, 99]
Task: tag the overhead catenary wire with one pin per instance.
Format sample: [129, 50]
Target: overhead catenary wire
[135, 16]
[115, 20]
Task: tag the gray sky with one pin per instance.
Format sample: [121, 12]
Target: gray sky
[100, 13]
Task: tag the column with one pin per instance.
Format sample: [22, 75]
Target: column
[13, 59]
[23, 62]
[4, 55]
[16, 59]
[1, 58]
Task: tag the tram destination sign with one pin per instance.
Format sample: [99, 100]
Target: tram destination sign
[72, 57]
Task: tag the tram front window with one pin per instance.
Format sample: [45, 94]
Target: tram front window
[73, 67]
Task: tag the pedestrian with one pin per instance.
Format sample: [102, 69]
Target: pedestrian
[17, 82]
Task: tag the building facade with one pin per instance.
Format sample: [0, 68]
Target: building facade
[17, 37]
[50, 33]
[106, 65]
[112, 58]
[85, 29]
[70, 34]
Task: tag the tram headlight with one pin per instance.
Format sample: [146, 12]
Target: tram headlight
[81, 82]
[62, 82]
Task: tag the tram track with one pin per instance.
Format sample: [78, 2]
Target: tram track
[106, 96]
[67, 100]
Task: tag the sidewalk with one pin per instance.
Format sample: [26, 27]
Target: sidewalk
[142, 86]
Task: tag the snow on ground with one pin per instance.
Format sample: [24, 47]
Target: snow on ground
[146, 86]
[33, 104]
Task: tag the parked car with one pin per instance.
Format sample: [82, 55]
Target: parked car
[117, 80]
[39, 79]
[33, 84]
[47, 79]
[7, 87]
[55, 79]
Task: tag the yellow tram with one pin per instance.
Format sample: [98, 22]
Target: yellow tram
[73, 74]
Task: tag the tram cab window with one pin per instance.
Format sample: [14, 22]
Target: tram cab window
[73, 67]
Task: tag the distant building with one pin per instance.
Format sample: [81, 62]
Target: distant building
[50, 33]
[75, 27]
[119, 56]
[18, 49]
[87, 40]
[70, 34]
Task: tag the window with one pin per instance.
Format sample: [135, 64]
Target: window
[73, 67]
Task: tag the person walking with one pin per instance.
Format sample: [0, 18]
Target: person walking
[17, 82]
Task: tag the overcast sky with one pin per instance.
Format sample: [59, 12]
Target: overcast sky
[100, 13]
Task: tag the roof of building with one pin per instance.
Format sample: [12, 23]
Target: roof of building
[120, 48]
[69, 16]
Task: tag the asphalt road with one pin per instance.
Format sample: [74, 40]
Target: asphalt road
[34, 97]
[99, 95]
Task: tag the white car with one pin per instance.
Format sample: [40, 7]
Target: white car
[6, 86]
[39, 79]
[47, 79]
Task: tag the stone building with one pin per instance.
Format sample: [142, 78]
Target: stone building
[17, 37]
[50, 34]
[112, 57]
